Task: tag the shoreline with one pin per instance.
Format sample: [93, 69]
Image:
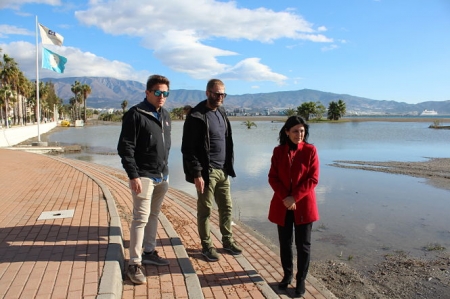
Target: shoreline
[400, 269]
[443, 118]
[434, 170]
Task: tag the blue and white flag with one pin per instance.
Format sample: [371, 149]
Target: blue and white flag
[50, 37]
[53, 61]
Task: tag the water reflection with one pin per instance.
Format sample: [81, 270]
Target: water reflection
[364, 214]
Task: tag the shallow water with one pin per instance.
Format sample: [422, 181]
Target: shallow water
[364, 214]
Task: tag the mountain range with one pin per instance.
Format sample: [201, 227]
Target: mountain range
[110, 93]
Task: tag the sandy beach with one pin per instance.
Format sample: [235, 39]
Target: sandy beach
[436, 170]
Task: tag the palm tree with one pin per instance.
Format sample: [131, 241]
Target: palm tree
[307, 109]
[32, 100]
[177, 113]
[43, 94]
[53, 101]
[336, 110]
[333, 111]
[124, 105]
[342, 107]
[320, 110]
[85, 90]
[24, 90]
[73, 108]
[8, 76]
[76, 89]
[5, 94]
[249, 124]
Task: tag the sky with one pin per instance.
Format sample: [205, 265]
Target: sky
[395, 50]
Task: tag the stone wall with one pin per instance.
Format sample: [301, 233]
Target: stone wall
[16, 135]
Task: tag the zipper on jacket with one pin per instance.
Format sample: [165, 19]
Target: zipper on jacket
[161, 123]
[290, 168]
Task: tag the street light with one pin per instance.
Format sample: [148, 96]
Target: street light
[24, 111]
[6, 110]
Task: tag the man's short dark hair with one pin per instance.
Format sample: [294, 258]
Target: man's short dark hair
[157, 79]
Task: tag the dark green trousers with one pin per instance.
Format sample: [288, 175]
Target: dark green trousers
[218, 190]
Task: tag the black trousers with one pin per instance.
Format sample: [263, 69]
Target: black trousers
[302, 243]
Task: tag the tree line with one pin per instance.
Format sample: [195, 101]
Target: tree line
[18, 97]
[316, 110]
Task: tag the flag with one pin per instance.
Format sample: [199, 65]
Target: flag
[53, 61]
[50, 37]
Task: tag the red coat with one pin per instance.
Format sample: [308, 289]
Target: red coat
[304, 175]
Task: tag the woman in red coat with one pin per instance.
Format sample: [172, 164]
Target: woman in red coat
[293, 176]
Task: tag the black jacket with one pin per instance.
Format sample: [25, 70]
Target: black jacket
[144, 142]
[195, 145]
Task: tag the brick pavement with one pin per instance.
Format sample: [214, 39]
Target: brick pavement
[84, 256]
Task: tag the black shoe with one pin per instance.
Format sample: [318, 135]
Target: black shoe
[232, 248]
[153, 258]
[300, 288]
[285, 282]
[210, 254]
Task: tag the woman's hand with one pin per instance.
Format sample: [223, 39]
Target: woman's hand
[289, 203]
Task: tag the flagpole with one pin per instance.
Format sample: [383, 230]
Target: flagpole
[37, 82]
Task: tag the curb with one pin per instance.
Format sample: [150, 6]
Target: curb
[111, 282]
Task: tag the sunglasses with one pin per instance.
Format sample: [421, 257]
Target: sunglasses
[158, 93]
[218, 95]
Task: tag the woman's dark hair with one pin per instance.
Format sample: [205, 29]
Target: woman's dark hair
[292, 121]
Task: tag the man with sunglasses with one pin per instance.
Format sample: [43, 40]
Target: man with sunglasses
[207, 148]
[144, 146]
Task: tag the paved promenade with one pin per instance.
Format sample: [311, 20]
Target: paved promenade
[64, 233]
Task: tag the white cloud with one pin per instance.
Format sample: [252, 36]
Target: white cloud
[208, 18]
[183, 52]
[329, 48]
[78, 63]
[251, 69]
[182, 33]
[16, 4]
[185, 36]
[6, 30]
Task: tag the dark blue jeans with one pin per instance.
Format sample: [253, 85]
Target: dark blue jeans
[302, 243]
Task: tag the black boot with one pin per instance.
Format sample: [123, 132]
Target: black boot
[300, 288]
[287, 279]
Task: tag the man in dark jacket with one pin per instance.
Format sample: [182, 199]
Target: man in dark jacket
[144, 146]
[207, 149]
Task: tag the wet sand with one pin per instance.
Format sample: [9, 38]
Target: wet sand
[435, 170]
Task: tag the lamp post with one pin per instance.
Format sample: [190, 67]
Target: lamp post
[24, 113]
[6, 111]
[1, 111]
